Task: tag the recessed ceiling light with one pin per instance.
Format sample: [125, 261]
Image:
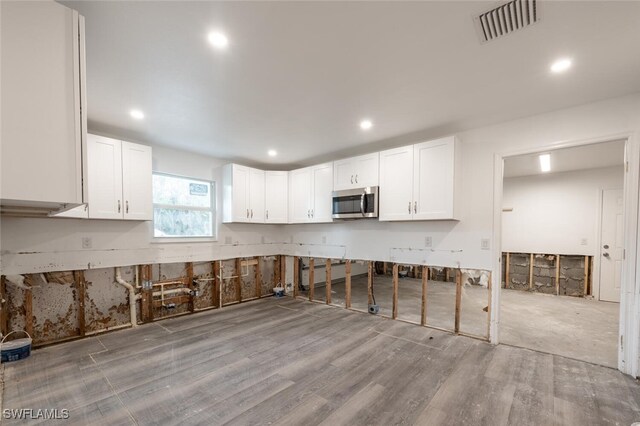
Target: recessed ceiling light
[137, 114]
[545, 163]
[272, 153]
[366, 124]
[219, 40]
[561, 65]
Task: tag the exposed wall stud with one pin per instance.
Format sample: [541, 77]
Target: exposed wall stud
[531, 260]
[557, 275]
[192, 301]
[423, 306]
[394, 312]
[276, 271]
[4, 307]
[312, 271]
[490, 289]
[507, 270]
[456, 326]
[347, 284]
[215, 296]
[586, 276]
[258, 278]
[28, 308]
[147, 296]
[283, 270]
[370, 283]
[328, 280]
[296, 275]
[238, 279]
[81, 286]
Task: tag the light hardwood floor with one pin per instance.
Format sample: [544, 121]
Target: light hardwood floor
[285, 361]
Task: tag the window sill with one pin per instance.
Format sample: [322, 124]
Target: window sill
[165, 240]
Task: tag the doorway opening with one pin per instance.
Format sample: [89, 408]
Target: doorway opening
[562, 251]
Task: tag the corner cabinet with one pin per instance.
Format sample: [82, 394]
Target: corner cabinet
[356, 172]
[310, 194]
[119, 179]
[276, 197]
[419, 182]
[43, 98]
[243, 194]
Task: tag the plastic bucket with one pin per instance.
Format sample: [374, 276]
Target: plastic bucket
[278, 291]
[17, 349]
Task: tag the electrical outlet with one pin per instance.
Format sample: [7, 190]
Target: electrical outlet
[485, 244]
[324, 239]
[262, 239]
[86, 242]
[584, 242]
[428, 242]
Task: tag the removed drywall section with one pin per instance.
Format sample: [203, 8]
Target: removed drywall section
[107, 304]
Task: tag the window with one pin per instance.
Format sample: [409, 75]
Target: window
[182, 207]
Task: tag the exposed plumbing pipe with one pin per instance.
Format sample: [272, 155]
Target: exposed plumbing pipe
[132, 297]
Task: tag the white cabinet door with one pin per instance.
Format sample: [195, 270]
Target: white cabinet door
[344, 173]
[137, 186]
[240, 193]
[276, 197]
[322, 193]
[367, 167]
[433, 181]
[396, 184]
[104, 164]
[256, 196]
[300, 186]
[42, 126]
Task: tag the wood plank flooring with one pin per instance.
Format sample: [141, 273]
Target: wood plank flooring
[290, 362]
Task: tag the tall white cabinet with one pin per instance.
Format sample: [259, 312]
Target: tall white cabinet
[244, 194]
[419, 182]
[43, 99]
[310, 194]
[119, 179]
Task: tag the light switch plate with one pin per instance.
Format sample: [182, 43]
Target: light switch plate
[428, 242]
[584, 242]
[86, 242]
[485, 244]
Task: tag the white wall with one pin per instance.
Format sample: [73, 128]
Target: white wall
[554, 213]
[54, 244]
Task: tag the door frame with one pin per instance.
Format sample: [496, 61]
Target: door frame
[629, 320]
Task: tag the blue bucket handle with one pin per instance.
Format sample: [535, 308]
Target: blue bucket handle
[15, 331]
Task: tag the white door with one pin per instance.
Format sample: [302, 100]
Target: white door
[241, 179]
[396, 184]
[300, 195]
[367, 168]
[433, 184]
[611, 245]
[322, 193]
[344, 174]
[276, 197]
[137, 186]
[256, 196]
[104, 175]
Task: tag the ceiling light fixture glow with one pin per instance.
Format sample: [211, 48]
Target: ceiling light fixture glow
[272, 153]
[561, 65]
[545, 163]
[366, 124]
[218, 39]
[137, 114]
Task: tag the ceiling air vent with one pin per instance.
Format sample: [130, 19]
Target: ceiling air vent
[506, 18]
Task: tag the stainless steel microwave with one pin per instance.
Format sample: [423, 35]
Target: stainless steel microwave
[355, 203]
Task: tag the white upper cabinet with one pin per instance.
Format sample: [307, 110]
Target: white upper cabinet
[356, 172]
[243, 194]
[43, 125]
[310, 194]
[137, 186]
[119, 179]
[396, 184]
[300, 185]
[276, 197]
[322, 193]
[418, 182]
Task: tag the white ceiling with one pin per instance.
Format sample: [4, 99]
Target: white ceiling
[299, 76]
[607, 154]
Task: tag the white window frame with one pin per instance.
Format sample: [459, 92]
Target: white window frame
[212, 209]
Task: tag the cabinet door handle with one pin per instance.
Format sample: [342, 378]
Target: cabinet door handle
[126, 209]
[351, 178]
[356, 178]
[409, 207]
[251, 213]
[267, 214]
[247, 213]
[312, 213]
[119, 206]
[415, 207]
[308, 213]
